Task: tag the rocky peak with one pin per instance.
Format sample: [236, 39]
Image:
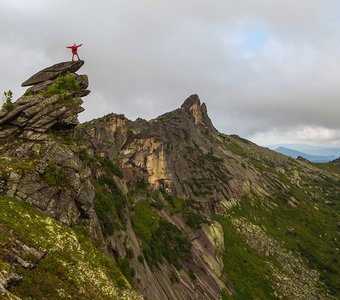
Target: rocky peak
[52, 102]
[198, 111]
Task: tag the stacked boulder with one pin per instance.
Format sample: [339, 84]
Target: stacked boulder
[52, 102]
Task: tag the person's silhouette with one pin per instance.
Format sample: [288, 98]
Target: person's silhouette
[74, 49]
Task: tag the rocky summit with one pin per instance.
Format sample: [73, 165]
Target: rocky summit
[167, 208]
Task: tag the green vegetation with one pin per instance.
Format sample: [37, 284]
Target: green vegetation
[130, 133]
[308, 229]
[63, 135]
[174, 278]
[62, 85]
[8, 104]
[145, 221]
[55, 176]
[72, 266]
[191, 217]
[159, 237]
[333, 167]
[17, 164]
[212, 158]
[126, 269]
[84, 154]
[236, 149]
[109, 166]
[247, 275]
[109, 204]
[109, 200]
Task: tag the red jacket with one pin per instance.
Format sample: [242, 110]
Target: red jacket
[74, 48]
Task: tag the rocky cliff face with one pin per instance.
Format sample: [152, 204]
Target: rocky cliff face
[37, 163]
[184, 211]
[178, 152]
[203, 175]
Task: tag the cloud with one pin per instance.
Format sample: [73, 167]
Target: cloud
[258, 64]
[312, 135]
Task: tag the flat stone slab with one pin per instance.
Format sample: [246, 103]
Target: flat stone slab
[53, 72]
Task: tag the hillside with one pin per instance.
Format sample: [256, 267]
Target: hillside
[180, 210]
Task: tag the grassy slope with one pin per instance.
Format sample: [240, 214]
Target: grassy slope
[247, 276]
[72, 268]
[308, 230]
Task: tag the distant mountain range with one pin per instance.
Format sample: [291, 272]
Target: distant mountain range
[312, 153]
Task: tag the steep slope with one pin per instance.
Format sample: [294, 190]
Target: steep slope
[41, 257]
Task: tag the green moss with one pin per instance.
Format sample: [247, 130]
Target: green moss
[176, 204]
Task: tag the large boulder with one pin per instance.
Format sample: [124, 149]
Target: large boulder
[53, 72]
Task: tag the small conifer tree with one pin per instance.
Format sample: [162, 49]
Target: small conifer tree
[8, 104]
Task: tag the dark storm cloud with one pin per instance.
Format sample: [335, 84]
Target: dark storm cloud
[267, 69]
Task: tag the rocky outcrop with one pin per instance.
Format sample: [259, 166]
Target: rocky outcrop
[53, 72]
[18, 254]
[52, 104]
[38, 166]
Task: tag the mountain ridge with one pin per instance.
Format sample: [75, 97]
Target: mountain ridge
[181, 210]
[313, 158]
[310, 149]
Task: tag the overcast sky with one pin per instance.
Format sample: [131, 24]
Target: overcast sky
[268, 70]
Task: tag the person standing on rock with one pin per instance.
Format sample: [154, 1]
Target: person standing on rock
[74, 49]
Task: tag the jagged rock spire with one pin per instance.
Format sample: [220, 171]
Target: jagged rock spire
[198, 111]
